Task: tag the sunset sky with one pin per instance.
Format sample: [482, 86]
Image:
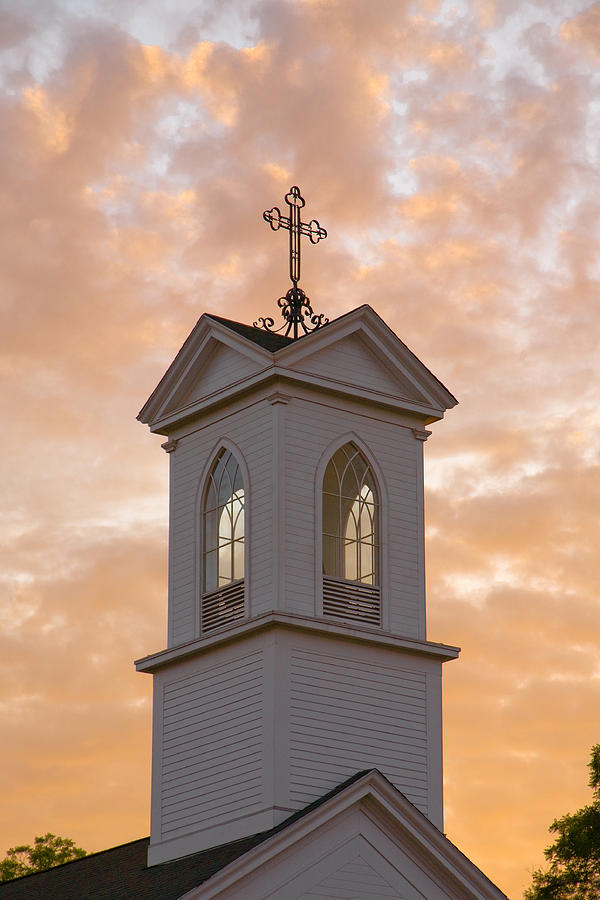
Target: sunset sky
[451, 149]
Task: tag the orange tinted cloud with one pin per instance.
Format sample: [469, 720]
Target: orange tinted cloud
[451, 156]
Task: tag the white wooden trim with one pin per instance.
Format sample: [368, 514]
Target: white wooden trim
[400, 822]
[205, 333]
[420, 487]
[278, 405]
[277, 619]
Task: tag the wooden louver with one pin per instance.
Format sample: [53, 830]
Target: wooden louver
[223, 607]
[351, 600]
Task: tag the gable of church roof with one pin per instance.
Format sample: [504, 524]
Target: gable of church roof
[366, 829]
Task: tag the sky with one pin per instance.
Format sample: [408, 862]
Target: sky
[451, 150]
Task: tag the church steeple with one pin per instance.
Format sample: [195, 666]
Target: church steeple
[297, 652]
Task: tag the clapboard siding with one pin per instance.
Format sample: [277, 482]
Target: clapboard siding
[306, 430]
[250, 430]
[348, 714]
[356, 879]
[313, 427]
[212, 739]
[350, 361]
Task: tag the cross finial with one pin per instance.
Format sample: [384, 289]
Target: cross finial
[295, 306]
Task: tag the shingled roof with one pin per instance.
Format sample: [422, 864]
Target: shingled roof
[121, 873]
[268, 340]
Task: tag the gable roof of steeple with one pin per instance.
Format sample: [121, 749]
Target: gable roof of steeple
[356, 354]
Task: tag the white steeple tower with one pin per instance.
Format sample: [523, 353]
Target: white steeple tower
[297, 651]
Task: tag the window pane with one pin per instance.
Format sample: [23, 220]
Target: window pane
[238, 559]
[367, 559]
[238, 517]
[210, 531]
[225, 564]
[350, 516]
[331, 480]
[225, 527]
[210, 571]
[331, 556]
[350, 561]
[224, 523]
[331, 514]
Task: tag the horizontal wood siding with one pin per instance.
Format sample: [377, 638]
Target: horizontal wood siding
[310, 429]
[347, 714]
[357, 879]
[249, 429]
[212, 741]
[352, 362]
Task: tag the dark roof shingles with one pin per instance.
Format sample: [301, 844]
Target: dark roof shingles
[121, 873]
[268, 340]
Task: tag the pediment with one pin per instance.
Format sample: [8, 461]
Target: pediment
[353, 362]
[220, 366]
[213, 358]
[367, 840]
[359, 350]
[356, 354]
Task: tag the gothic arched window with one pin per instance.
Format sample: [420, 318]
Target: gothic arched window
[223, 544]
[351, 537]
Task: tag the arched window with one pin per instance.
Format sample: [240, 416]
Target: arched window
[223, 544]
[351, 537]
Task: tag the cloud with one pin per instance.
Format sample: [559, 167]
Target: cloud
[451, 154]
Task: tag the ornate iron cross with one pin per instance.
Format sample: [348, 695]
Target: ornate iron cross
[295, 306]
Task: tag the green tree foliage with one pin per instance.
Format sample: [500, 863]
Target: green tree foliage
[574, 857]
[48, 850]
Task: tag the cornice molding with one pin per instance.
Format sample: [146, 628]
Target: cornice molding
[294, 621]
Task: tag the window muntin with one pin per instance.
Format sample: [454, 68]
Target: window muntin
[350, 518]
[223, 523]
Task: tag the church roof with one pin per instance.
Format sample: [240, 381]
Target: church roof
[266, 339]
[121, 873]
[356, 355]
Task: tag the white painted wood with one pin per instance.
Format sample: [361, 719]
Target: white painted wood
[255, 723]
[365, 842]
[353, 881]
[249, 435]
[224, 366]
[316, 428]
[213, 730]
[351, 601]
[222, 607]
[212, 744]
[435, 766]
[165, 408]
[352, 362]
[351, 711]
[283, 513]
[266, 720]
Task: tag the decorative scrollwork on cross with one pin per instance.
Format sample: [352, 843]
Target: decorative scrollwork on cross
[295, 306]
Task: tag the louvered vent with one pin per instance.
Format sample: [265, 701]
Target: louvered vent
[223, 606]
[351, 600]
